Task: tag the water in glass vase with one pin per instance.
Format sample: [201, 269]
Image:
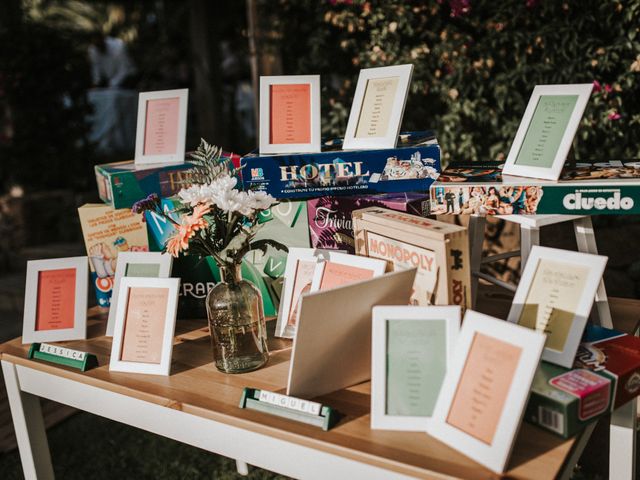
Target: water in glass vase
[237, 324]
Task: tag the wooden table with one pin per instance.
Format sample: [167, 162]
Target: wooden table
[198, 405]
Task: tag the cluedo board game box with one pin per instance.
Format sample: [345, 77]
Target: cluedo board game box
[611, 187]
[440, 252]
[412, 166]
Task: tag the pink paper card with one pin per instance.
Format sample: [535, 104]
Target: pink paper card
[290, 115]
[144, 324]
[56, 299]
[301, 284]
[336, 275]
[161, 126]
[483, 387]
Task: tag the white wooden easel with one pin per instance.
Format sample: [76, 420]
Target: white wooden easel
[530, 226]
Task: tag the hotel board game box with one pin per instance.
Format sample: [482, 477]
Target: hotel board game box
[106, 232]
[285, 223]
[615, 355]
[564, 400]
[611, 187]
[331, 224]
[412, 166]
[440, 252]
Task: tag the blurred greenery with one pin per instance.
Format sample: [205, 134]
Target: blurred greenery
[88, 446]
[476, 63]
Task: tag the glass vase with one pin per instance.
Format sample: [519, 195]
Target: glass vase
[236, 323]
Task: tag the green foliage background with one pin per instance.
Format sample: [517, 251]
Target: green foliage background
[474, 70]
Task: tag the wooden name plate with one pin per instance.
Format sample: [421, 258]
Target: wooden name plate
[83, 361]
[296, 409]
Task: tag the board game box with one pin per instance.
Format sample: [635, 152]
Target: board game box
[330, 218]
[439, 251]
[611, 187]
[412, 166]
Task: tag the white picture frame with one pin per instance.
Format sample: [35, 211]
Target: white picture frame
[289, 281]
[176, 155]
[266, 145]
[515, 350]
[514, 164]
[123, 262]
[390, 108]
[382, 317]
[163, 365]
[78, 329]
[377, 266]
[585, 290]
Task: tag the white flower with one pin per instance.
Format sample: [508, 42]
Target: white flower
[192, 195]
[219, 188]
[260, 200]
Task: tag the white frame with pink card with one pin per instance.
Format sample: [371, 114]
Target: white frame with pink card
[295, 255]
[169, 322]
[494, 455]
[178, 157]
[79, 329]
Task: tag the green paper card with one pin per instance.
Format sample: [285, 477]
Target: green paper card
[416, 364]
[547, 126]
[142, 270]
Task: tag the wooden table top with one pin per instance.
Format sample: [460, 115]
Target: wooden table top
[196, 387]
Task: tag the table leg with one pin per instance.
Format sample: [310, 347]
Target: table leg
[586, 241]
[529, 236]
[622, 442]
[28, 423]
[242, 468]
[476, 237]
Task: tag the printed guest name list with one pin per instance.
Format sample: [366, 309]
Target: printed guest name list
[144, 325]
[290, 115]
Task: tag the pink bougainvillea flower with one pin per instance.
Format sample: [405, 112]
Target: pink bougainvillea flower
[614, 116]
[459, 7]
[596, 86]
[607, 88]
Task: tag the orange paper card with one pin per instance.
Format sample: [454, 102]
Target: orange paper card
[483, 388]
[290, 115]
[301, 284]
[336, 275]
[144, 325]
[56, 299]
[161, 127]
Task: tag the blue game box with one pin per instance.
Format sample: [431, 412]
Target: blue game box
[410, 167]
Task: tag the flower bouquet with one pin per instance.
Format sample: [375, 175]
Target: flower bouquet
[219, 220]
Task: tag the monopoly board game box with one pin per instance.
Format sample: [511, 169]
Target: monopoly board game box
[107, 232]
[615, 355]
[583, 189]
[412, 166]
[285, 223]
[331, 224]
[564, 400]
[439, 251]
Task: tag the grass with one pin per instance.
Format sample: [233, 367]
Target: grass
[90, 447]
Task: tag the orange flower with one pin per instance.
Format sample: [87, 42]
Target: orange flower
[188, 228]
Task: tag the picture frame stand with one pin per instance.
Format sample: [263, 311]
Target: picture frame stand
[296, 409]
